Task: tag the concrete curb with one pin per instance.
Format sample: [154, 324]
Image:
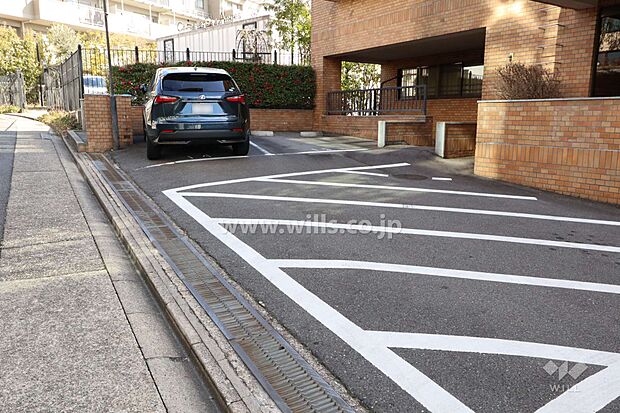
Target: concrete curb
[262, 133]
[77, 142]
[228, 375]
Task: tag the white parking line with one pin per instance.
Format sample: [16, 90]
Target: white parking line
[374, 347]
[410, 379]
[291, 174]
[397, 188]
[365, 229]
[365, 173]
[224, 158]
[449, 273]
[589, 395]
[257, 146]
[486, 345]
[402, 206]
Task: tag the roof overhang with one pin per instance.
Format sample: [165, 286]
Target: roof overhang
[449, 43]
[571, 4]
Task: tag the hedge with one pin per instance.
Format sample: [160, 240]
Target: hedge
[265, 86]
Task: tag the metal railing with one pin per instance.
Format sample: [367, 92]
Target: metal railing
[380, 101]
[95, 61]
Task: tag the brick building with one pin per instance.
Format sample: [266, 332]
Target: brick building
[450, 50]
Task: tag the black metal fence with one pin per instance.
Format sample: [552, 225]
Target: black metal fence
[380, 101]
[86, 70]
[12, 90]
[64, 84]
[95, 61]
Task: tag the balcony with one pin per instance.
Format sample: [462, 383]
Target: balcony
[73, 14]
[86, 17]
[17, 9]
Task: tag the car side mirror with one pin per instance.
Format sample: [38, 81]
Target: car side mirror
[143, 88]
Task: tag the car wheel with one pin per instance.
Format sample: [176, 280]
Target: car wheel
[153, 150]
[241, 149]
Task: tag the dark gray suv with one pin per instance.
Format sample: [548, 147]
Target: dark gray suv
[199, 105]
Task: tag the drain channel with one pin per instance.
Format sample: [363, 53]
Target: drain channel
[291, 382]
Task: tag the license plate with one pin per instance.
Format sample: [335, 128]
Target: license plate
[202, 108]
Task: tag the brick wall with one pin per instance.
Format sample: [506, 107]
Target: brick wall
[281, 120]
[567, 146]
[98, 122]
[137, 119]
[460, 140]
[418, 132]
[530, 32]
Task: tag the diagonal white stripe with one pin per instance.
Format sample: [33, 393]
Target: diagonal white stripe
[260, 148]
[485, 345]
[403, 206]
[397, 188]
[365, 229]
[289, 174]
[589, 395]
[449, 273]
[365, 173]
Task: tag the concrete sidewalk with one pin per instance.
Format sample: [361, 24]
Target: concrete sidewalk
[80, 329]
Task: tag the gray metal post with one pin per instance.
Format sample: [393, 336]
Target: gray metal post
[110, 79]
[40, 77]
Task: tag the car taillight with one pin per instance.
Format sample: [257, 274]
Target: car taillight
[165, 99]
[236, 99]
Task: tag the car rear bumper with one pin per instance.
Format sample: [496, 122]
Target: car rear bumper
[224, 133]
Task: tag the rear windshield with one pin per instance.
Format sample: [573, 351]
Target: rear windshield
[198, 82]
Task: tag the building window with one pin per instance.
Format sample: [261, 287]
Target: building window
[450, 80]
[607, 75]
[472, 80]
[200, 4]
[443, 81]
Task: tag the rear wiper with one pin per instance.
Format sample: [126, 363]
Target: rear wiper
[191, 89]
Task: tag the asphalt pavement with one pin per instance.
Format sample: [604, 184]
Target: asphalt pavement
[418, 285]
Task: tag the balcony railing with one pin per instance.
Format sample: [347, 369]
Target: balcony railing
[380, 101]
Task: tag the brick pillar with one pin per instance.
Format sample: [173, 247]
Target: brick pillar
[123, 107]
[98, 122]
[328, 79]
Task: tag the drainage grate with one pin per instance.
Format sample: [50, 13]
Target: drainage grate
[292, 383]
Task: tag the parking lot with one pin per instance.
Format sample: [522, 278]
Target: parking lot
[418, 285]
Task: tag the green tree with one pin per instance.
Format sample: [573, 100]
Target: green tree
[62, 41]
[20, 54]
[292, 24]
[360, 76]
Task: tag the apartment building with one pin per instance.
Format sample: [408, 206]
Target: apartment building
[149, 19]
[439, 66]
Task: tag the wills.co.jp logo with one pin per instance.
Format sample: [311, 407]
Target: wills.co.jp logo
[563, 369]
